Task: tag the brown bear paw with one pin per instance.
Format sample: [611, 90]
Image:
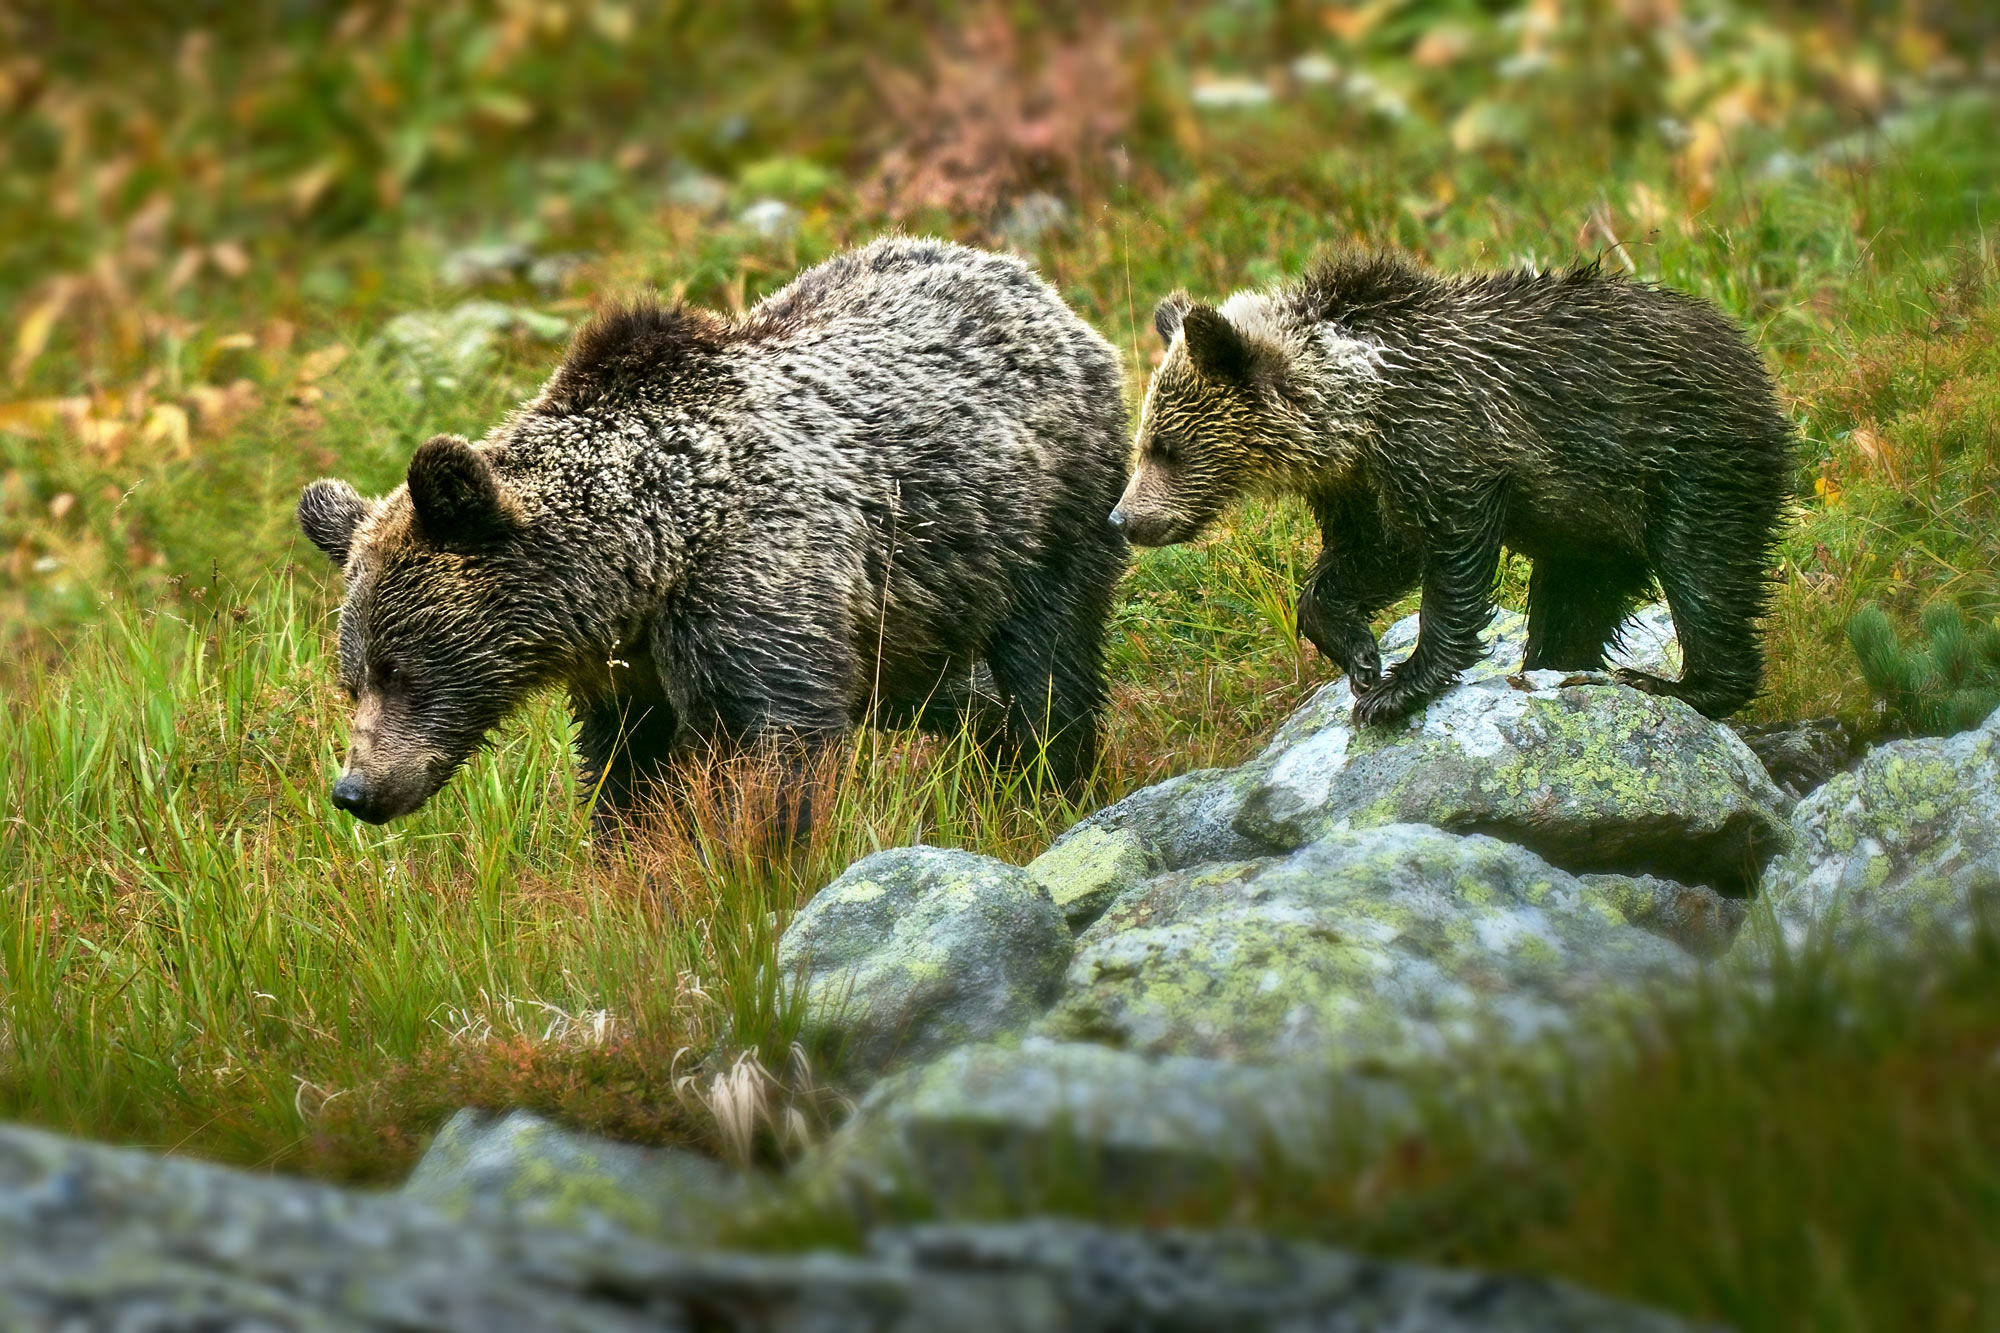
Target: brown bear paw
[1387, 702]
[1645, 682]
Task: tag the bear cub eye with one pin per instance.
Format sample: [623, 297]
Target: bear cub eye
[1167, 450]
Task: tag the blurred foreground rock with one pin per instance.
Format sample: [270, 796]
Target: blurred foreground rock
[519, 1170]
[105, 1238]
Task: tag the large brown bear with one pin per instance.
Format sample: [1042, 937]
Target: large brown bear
[1618, 433]
[712, 532]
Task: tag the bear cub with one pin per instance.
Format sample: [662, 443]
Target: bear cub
[1615, 432]
[888, 479]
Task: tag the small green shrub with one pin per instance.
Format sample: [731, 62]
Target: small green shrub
[1950, 684]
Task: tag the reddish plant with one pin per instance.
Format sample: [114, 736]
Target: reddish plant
[1003, 111]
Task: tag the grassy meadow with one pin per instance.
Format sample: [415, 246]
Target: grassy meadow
[198, 954]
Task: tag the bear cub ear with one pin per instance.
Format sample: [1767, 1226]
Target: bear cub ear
[329, 512]
[1167, 315]
[1219, 351]
[460, 501]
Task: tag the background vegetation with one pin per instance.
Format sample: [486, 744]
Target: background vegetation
[236, 252]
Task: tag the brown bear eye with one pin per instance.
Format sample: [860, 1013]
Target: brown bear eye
[1167, 450]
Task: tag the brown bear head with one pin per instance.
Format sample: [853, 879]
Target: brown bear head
[435, 644]
[1200, 428]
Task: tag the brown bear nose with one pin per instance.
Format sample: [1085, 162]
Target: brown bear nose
[1118, 517]
[351, 794]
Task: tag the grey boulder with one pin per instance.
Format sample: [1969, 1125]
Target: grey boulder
[1383, 946]
[919, 949]
[518, 1170]
[1904, 846]
[987, 1122]
[1592, 775]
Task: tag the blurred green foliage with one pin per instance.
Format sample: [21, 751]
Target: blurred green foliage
[1947, 682]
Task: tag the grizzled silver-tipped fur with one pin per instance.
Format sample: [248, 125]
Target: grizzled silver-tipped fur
[1616, 432]
[713, 532]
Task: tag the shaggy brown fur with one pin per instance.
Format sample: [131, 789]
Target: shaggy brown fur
[1616, 432]
[889, 478]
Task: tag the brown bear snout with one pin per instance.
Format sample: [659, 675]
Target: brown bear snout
[353, 794]
[1146, 517]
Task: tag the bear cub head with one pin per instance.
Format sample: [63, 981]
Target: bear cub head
[431, 636]
[1210, 427]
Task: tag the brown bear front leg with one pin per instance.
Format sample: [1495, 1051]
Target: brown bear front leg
[1344, 591]
[1459, 573]
[752, 679]
[623, 742]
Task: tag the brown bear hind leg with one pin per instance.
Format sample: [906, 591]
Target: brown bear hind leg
[1715, 584]
[1048, 661]
[1574, 610]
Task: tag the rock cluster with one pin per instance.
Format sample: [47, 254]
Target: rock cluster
[1223, 973]
[1530, 855]
[99, 1237]
[1905, 845]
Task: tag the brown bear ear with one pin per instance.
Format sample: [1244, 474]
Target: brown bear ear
[1218, 350]
[458, 497]
[329, 512]
[1167, 315]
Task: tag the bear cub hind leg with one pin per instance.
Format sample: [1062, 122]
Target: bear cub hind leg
[1714, 577]
[1574, 610]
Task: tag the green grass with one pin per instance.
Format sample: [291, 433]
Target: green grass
[197, 954]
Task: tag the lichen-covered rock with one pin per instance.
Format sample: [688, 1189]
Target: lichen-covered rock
[97, 1237]
[1379, 946]
[1699, 919]
[1184, 821]
[1590, 774]
[108, 1238]
[1593, 777]
[981, 1122]
[519, 1169]
[919, 949]
[1903, 846]
[1647, 643]
[1086, 872]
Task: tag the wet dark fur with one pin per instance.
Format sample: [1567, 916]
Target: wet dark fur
[1617, 433]
[715, 533]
